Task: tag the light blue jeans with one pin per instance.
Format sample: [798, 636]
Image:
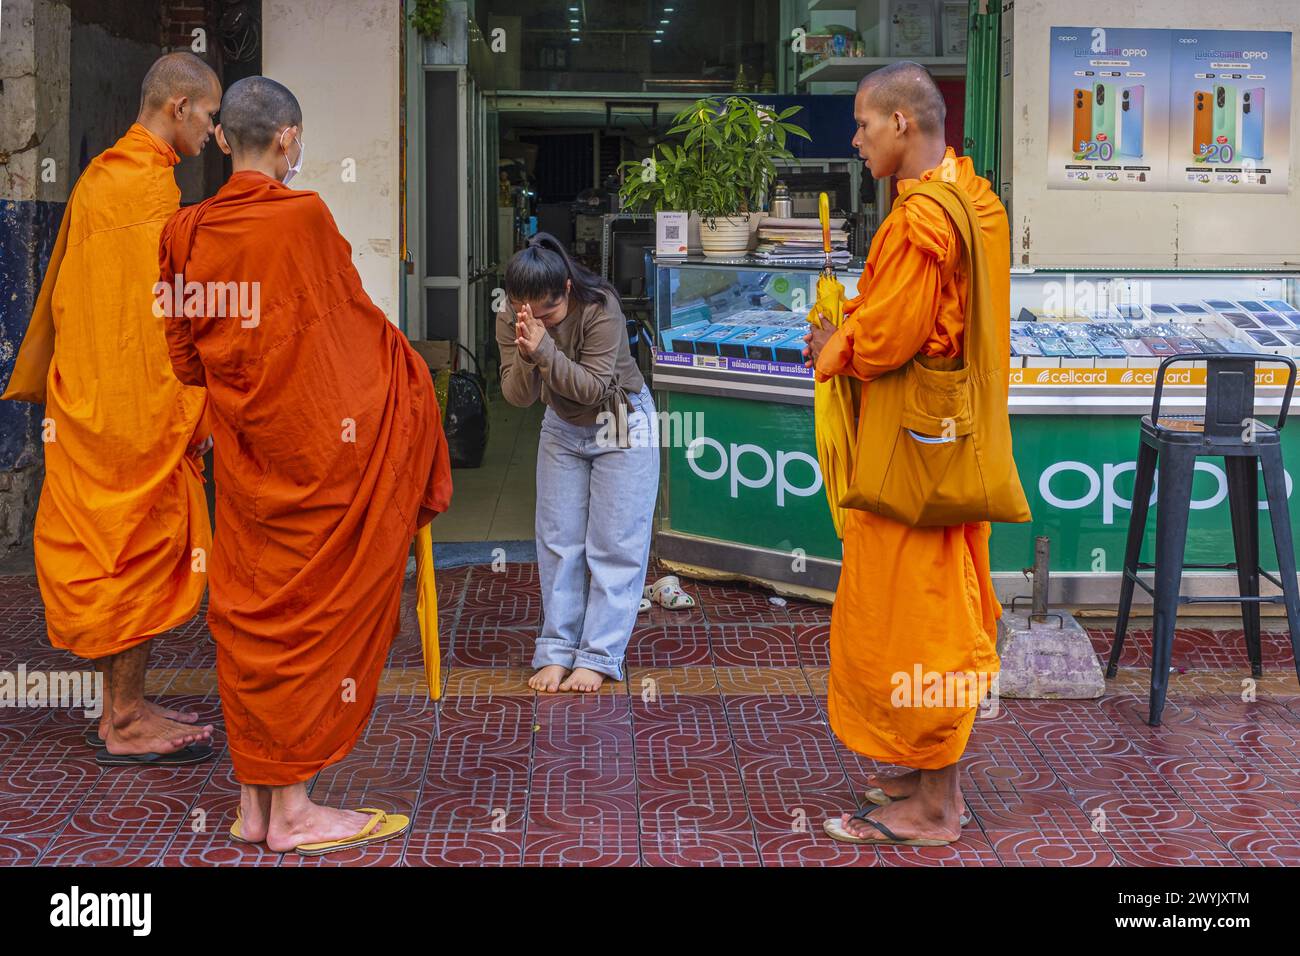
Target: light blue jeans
[595, 504]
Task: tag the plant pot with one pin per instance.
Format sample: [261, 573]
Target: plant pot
[725, 237]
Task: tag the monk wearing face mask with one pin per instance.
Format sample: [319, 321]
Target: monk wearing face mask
[329, 454]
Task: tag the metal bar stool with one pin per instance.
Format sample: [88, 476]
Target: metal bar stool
[1228, 429]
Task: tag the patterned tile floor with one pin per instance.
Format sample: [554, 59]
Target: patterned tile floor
[716, 750]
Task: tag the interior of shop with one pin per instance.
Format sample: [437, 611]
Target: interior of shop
[575, 90]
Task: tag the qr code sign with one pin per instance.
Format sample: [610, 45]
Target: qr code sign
[672, 232]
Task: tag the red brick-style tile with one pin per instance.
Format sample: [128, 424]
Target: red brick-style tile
[668, 645]
[699, 809]
[1166, 847]
[813, 848]
[700, 848]
[465, 848]
[493, 646]
[717, 751]
[1068, 847]
[1272, 848]
[973, 849]
[738, 604]
[813, 642]
[591, 846]
[492, 809]
[753, 645]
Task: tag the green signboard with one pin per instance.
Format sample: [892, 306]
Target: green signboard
[747, 472]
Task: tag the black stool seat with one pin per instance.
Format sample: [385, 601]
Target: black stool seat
[1228, 429]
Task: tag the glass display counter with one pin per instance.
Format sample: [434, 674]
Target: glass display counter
[742, 492]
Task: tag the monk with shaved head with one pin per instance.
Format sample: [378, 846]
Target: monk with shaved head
[329, 454]
[122, 530]
[913, 602]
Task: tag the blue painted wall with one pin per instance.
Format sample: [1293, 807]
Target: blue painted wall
[27, 232]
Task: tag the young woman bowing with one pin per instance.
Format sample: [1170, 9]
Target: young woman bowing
[564, 341]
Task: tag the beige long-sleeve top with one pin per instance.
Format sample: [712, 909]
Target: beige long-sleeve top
[581, 361]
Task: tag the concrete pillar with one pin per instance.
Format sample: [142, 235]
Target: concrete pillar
[34, 181]
[342, 61]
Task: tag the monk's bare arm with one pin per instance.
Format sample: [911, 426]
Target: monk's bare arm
[585, 381]
[520, 383]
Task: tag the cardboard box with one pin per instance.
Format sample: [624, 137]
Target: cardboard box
[437, 353]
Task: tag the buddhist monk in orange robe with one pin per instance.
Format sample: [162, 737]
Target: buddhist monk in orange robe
[122, 526]
[911, 600]
[329, 453]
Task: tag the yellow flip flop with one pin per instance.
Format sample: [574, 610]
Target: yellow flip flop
[237, 830]
[381, 826]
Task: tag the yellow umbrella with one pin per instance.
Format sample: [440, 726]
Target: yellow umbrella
[426, 608]
[834, 405]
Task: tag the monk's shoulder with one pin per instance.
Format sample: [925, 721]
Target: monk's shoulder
[920, 225]
[118, 189]
[310, 210]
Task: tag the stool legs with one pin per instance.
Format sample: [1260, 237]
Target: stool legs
[1243, 503]
[1137, 526]
[1173, 507]
[1279, 515]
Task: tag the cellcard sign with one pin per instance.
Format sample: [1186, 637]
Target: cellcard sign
[750, 475]
[1185, 110]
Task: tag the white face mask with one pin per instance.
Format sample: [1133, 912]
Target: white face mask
[296, 168]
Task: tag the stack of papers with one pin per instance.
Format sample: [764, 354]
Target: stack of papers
[800, 240]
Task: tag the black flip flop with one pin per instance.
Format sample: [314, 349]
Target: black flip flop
[836, 831]
[194, 753]
[94, 740]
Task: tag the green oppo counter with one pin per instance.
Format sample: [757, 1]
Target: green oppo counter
[742, 492]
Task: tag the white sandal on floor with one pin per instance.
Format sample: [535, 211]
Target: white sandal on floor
[667, 592]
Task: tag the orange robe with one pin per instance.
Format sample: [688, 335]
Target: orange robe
[914, 602]
[329, 452]
[122, 527]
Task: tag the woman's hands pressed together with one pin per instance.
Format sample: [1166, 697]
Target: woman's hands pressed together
[529, 331]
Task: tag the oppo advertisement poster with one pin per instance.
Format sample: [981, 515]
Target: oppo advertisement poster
[1187, 110]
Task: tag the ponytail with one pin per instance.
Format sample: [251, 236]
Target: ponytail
[541, 269]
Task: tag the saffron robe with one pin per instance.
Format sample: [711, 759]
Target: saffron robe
[329, 453]
[915, 609]
[122, 528]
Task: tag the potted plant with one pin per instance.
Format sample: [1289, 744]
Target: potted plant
[718, 168]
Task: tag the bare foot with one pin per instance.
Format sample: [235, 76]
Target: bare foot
[548, 678]
[157, 710]
[179, 716]
[316, 824]
[909, 819]
[144, 733]
[254, 812]
[583, 681]
[896, 786]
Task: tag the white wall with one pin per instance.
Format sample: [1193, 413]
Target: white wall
[341, 58]
[1063, 228]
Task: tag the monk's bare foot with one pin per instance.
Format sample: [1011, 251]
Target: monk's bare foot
[547, 680]
[313, 824]
[254, 812]
[583, 681]
[910, 820]
[896, 786]
[179, 716]
[143, 733]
